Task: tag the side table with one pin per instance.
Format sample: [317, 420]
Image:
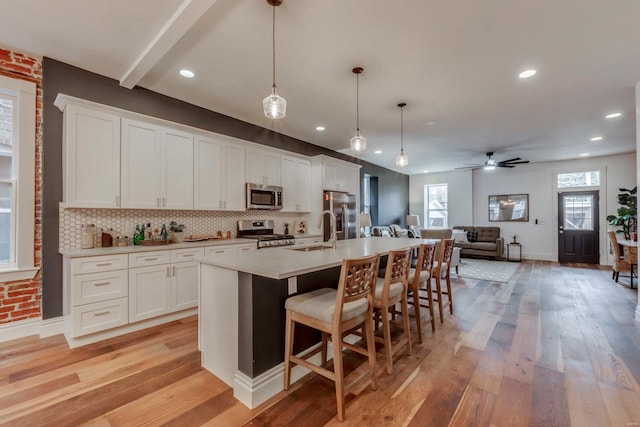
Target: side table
[514, 247]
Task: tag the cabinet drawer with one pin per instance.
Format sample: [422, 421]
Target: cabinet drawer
[143, 259]
[222, 249]
[246, 247]
[99, 316]
[96, 264]
[95, 287]
[188, 254]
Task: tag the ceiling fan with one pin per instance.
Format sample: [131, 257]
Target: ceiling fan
[491, 163]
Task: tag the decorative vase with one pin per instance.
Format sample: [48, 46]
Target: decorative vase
[177, 237]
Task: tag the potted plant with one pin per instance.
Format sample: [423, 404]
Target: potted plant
[627, 217]
[515, 239]
[177, 232]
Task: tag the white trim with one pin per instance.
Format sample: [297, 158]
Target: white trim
[50, 327]
[18, 274]
[638, 313]
[19, 329]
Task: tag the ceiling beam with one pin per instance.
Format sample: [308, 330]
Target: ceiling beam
[180, 22]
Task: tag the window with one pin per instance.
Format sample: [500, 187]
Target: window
[436, 207]
[579, 179]
[17, 170]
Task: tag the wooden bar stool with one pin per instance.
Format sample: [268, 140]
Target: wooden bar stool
[335, 313]
[390, 291]
[420, 280]
[442, 270]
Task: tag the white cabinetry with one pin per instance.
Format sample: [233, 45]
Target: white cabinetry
[157, 167]
[91, 158]
[296, 184]
[263, 166]
[162, 282]
[219, 174]
[308, 240]
[97, 292]
[340, 176]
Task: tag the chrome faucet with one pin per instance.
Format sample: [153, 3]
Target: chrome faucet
[332, 226]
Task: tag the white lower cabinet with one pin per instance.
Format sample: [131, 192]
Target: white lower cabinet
[308, 240]
[157, 288]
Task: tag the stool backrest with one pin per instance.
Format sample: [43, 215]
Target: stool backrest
[426, 259]
[357, 280]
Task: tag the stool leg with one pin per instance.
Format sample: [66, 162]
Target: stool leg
[288, 349]
[386, 332]
[336, 340]
[323, 351]
[405, 321]
[430, 299]
[371, 350]
[439, 293]
[449, 292]
[416, 306]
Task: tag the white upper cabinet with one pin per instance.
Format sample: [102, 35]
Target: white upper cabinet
[296, 184]
[91, 158]
[157, 167]
[263, 166]
[219, 174]
[340, 176]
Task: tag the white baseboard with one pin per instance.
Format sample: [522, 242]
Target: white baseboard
[52, 327]
[638, 313]
[20, 329]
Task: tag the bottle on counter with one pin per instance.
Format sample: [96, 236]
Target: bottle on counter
[138, 235]
[87, 236]
[164, 234]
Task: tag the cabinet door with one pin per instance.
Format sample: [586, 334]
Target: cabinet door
[141, 168]
[233, 179]
[149, 292]
[289, 187]
[330, 177]
[303, 185]
[185, 284]
[207, 162]
[177, 176]
[92, 158]
[352, 180]
[263, 167]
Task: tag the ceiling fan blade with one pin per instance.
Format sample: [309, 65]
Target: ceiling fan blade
[510, 160]
[519, 163]
[500, 165]
[470, 167]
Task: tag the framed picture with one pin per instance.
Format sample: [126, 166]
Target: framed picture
[509, 207]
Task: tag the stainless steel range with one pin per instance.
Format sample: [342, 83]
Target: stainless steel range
[263, 231]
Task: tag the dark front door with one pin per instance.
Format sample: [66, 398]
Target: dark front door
[578, 229]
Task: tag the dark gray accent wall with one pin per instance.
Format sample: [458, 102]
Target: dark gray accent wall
[59, 77]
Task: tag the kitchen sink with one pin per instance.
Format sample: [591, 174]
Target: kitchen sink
[311, 248]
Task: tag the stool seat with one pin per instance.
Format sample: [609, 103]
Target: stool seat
[321, 305]
[394, 290]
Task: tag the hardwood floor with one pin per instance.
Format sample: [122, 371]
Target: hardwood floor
[556, 346]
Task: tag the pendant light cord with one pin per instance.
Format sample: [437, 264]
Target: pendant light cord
[273, 40]
[402, 130]
[358, 102]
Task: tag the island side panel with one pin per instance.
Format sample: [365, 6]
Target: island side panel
[261, 344]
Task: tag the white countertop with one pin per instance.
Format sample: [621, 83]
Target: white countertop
[280, 263]
[74, 253]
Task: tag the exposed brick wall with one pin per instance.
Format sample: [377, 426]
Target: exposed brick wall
[21, 300]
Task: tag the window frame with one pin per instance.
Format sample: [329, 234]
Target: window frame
[426, 209]
[23, 179]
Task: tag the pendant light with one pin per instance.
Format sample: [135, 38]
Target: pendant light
[401, 159]
[358, 143]
[275, 106]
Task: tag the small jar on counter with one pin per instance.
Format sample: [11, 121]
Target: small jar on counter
[87, 236]
[107, 237]
[121, 241]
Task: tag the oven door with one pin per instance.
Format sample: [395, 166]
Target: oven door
[264, 197]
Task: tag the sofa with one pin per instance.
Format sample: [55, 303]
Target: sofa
[479, 241]
[442, 233]
[393, 230]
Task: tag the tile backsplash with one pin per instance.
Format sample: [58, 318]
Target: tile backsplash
[123, 221]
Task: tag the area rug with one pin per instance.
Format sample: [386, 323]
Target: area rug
[482, 269]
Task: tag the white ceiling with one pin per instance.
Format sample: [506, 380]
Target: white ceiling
[453, 62]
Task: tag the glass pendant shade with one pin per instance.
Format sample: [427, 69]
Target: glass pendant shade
[402, 160]
[275, 106]
[358, 142]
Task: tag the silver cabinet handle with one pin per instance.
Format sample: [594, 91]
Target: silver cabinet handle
[104, 264]
[151, 259]
[101, 283]
[102, 313]
[187, 255]
[168, 272]
[174, 271]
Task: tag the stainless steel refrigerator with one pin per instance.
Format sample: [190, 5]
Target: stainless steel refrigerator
[343, 205]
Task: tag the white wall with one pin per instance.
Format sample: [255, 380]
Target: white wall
[460, 195]
[539, 241]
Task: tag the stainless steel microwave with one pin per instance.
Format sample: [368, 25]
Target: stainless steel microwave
[261, 196]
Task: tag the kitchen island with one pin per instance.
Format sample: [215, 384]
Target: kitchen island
[242, 315]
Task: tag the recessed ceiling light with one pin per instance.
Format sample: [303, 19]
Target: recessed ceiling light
[320, 128]
[425, 171]
[431, 123]
[584, 154]
[187, 73]
[596, 138]
[613, 115]
[527, 73]
[378, 151]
